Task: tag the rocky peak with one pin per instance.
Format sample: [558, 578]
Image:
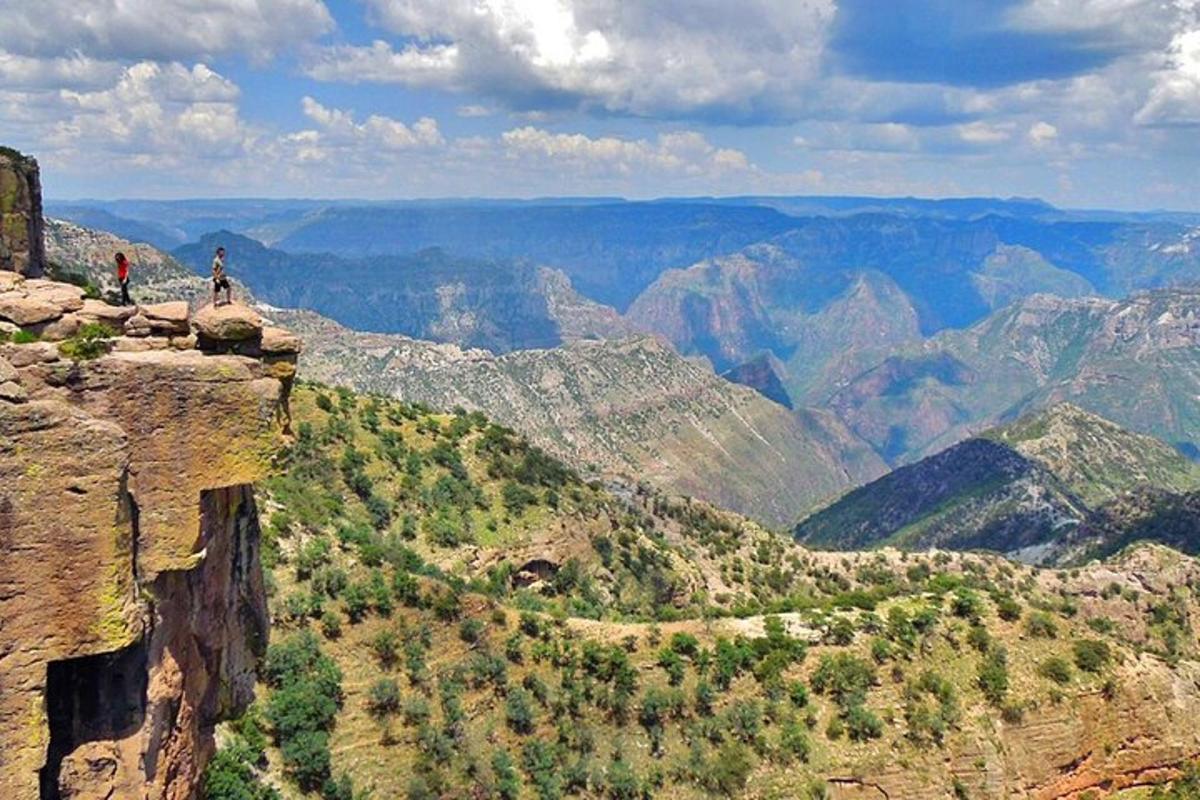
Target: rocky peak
[21, 248]
[130, 591]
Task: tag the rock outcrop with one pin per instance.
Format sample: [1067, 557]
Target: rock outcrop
[21, 248]
[131, 604]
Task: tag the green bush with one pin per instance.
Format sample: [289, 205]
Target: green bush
[993, 676]
[1056, 668]
[383, 698]
[1091, 655]
[89, 342]
[1041, 625]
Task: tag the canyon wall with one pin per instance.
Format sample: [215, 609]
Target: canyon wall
[132, 611]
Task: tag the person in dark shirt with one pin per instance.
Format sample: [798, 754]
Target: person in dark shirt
[220, 279]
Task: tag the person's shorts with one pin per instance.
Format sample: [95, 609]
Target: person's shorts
[220, 283]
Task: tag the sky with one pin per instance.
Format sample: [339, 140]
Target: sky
[1084, 103]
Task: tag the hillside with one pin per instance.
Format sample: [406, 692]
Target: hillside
[1048, 488]
[627, 407]
[1134, 361]
[497, 305]
[573, 641]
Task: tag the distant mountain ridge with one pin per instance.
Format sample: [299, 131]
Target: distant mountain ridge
[1048, 488]
[1134, 361]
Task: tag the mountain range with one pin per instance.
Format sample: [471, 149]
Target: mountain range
[1054, 487]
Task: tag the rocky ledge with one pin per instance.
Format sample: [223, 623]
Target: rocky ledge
[131, 599]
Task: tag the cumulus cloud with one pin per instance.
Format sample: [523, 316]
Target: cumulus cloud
[155, 113]
[684, 152]
[673, 58]
[1174, 98]
[1041, 133]
[377, 131]
[162, 30]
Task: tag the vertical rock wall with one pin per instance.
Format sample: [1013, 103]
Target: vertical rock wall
[132, 611]
[21, 245]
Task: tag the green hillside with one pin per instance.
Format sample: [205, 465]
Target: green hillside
[457, 614]
[1036, 489]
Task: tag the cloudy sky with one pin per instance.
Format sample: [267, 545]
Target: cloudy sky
[1082, 102]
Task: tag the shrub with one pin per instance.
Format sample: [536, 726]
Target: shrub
[1056, 668]
[1041, 625]
[1008, 607]
[357, 601]
[862, 724]
[993, 676]
[331, 624]
[793, 742]
[844, 677]
[90, 341]
[386, 647]
[470, 630]
[383, 698]
[518, 711]
[728, 770]
[1091, 655]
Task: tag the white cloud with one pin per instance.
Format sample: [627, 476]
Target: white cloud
[159, 29]
[377, 131]
[1174, 98]
[685, 152]
[983, 133]
[1042, 133]
[76, 71]
[473, 111]
[672, 58]
[154, 113]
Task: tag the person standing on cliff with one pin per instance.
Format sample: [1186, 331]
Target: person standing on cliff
[220, 280]
[123, 278]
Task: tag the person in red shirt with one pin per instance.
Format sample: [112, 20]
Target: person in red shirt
[123, 278]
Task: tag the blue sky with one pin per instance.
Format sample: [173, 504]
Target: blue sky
[1082, 102]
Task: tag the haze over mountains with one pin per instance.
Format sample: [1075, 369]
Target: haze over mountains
[877, 331]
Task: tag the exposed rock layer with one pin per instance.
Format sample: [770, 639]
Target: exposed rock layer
[21, 248]
[131, 600]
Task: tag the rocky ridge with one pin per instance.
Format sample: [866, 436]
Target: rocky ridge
[630, 406]
[130, 588]
[1053, 487]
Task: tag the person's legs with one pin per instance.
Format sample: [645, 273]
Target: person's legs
[125, 301]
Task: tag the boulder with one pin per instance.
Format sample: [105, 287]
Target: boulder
[99, 311]
[24, 311]
[62, 328]
[24, 355]
[64, 295]
[137, 325]
[13, 392]
[228, 323]
[7, 371]
[184, 342]
[277, 341]
[170, 317]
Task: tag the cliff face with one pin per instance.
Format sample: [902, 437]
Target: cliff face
[20, 214]
[131, 604]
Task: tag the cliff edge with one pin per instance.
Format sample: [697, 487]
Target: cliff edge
[132, 610]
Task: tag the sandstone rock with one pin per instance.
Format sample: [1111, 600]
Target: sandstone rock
[278, 340]
[64, 295]
[184, 342]
[105, 314]
[228, 323]
[62, 328]
[137, 325]
[13, 392]
[23, 355]
[24, 311]
[21, 240]
[185, 434]
[171, 317]
[10, 280]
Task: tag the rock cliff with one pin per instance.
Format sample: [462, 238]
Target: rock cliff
[21, 247]
[132, 611]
